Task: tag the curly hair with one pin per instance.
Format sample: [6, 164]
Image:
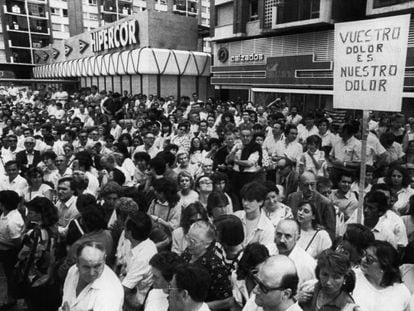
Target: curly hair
[406, 176]
[46, 209]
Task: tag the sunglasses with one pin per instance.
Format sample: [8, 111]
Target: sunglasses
[263, 287]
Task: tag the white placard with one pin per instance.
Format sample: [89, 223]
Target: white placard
[369, 63]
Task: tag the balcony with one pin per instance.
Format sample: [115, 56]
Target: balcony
[297, 13]
[17, 28]
[386, 6]
[188, 8]
[17, 11]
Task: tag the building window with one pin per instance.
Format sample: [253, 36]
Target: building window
[92, 2]
[56, 27]
[65, 12]
[93, 17]
[254, 10]
[55, 11]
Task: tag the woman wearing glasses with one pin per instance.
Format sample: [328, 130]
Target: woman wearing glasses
[378, 284]
[336, 280]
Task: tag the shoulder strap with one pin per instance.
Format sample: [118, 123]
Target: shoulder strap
[310, 242]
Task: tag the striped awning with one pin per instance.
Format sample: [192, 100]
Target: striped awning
[141, 61]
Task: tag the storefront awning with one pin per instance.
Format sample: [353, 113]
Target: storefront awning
[141, 61]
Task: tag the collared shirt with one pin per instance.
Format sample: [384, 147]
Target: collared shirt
[67, 211]
[305, 264]
[19, 185]
[346, 204]
[11, 227]
[293, 120]
[264, 233]
[138, 270]
[347, 151]
[163, 211]
[395, 224]
[269, 143]
[402, 204]
[328, 139]
[305, 133]
[292, 150]
[104, 294]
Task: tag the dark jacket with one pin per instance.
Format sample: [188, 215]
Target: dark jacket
[22, 163]
[325, 211]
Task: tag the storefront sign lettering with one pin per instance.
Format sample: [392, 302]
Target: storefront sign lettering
[116, 36]
[247, 58]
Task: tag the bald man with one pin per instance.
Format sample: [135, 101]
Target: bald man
[90, 284]
[276, 285]
[325, 211]
[286, 237]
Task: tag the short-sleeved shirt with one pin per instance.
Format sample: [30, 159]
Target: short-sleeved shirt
[138, 270]
[347, 151]
[11, 227]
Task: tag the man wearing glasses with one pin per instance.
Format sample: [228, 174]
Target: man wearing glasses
[276, 285]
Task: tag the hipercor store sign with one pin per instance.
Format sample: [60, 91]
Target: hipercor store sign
[115, 36]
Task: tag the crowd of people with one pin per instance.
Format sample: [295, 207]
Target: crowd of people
[116, 202]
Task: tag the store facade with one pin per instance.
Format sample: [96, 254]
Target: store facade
[148, 52]
[278, 54]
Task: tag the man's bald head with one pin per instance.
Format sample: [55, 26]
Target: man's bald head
[275, 268]
[307, 183]
[287, 234]
[278, 273]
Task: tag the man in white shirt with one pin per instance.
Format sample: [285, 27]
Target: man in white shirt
[138, 278]
[14, 181]
[66, 205]
[148, 146]
[189, 288]
[287, 235]
[288, 147]
[90, 284]
[384, 223]
[272, 291]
